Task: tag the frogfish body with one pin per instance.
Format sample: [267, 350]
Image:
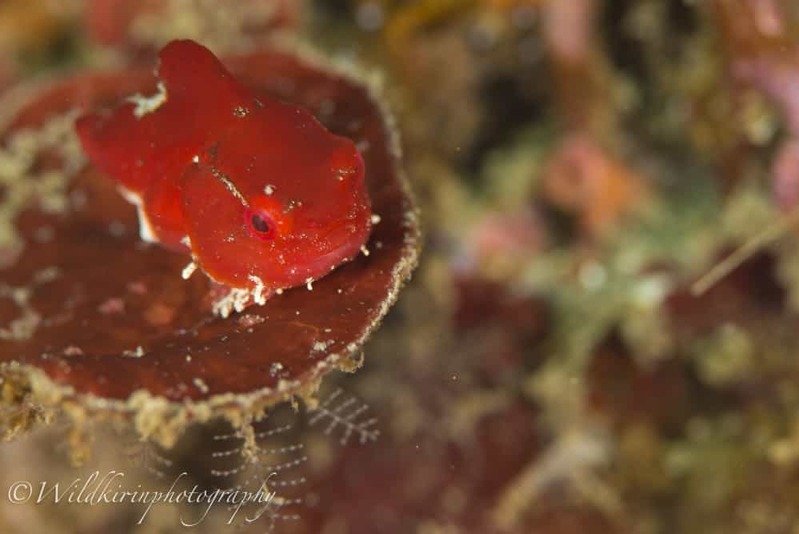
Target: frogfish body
[260, 194]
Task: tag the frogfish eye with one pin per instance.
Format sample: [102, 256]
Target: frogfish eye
[260, 223]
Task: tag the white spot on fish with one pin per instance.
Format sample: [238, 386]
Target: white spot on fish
[148, 104]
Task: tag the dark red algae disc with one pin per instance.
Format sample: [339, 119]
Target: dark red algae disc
[91, 314]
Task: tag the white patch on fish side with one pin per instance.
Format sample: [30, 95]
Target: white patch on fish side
[148, 104]
[146, 231]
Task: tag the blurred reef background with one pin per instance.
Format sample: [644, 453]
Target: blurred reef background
[579, 165]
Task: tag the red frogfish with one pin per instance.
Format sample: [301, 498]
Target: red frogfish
[257, 191]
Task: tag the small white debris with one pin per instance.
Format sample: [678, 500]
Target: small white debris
[195, 159]
[309, 284]
[186, 240]
[365, 251]
[73, 350]
[235, 300]
[148, 104]
[238, 298]
[201, 385]
[248, 320]
[188, 357]
[269, 189]
[321, 346]
[279, 291]
[137, 353]
[275, 368]
[240, 111]
[375, 218]
[188, 270]
[258, 291]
